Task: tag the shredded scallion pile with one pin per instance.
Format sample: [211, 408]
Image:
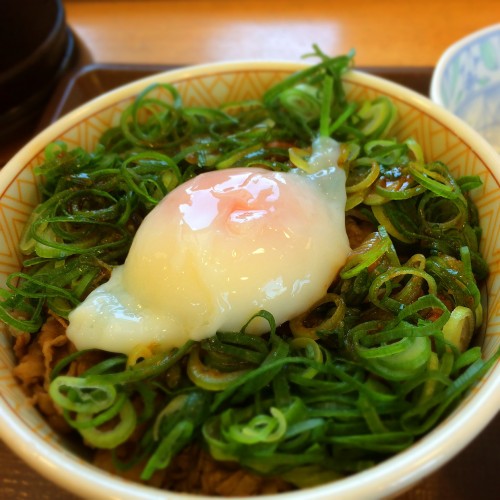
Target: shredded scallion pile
[373, 366]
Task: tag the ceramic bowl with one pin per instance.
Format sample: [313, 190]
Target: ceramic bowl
[466, 81]
[442, 136]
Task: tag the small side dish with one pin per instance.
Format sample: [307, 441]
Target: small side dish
[466, 81]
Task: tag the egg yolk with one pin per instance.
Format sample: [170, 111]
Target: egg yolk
[214, 252]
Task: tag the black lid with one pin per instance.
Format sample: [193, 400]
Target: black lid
[33, 39]
[36, 49]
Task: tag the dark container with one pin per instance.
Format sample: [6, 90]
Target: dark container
[36, 47]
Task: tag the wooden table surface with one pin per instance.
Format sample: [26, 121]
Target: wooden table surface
[383, 32]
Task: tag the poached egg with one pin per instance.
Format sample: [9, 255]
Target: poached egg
[215, 251]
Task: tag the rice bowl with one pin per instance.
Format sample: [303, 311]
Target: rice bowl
[441, 135]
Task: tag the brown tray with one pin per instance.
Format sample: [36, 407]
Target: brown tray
[473, 474]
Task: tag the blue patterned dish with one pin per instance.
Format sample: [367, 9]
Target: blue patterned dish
[466, 81]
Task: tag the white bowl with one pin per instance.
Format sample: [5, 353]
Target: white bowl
[442, 136]
[466, 81]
